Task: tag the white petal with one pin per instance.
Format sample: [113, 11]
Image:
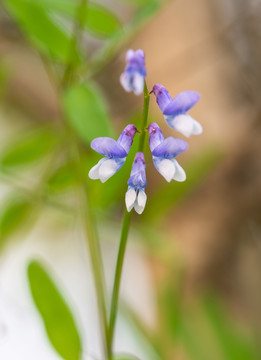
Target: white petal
[94, 172]
[179, 174]
[130, 198]
[126, 82]
[138, 83]
[107, 169]
[183, 123]
[197, 128]
[140, 202]
[166, 168]
[129, 54]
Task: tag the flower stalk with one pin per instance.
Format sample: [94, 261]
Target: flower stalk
[124, 235]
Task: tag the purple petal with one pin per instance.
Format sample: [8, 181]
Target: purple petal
[162, 96]
[182, 103]
[170, 148]
[136, 62]
[155, 135]
[138, 175]
[126, 138]
[108, 147]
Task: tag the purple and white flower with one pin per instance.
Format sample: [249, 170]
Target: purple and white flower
[135, 71]
[175, 110]
[115, 153]
[135, 196]
[164, 151]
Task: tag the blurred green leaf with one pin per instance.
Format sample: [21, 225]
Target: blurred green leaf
[58, 320]
[146, 10]
[168, 197]
[39, 27]
[125, 357]
[62, 179]
[87, 112]
[29, 147]
[98, 19]
[13, 214]
[233, 343]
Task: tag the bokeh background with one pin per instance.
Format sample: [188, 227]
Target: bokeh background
[191, 285]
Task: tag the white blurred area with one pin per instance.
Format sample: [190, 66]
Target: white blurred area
[22, 333]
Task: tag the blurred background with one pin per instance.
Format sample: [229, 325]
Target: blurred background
[191, 284]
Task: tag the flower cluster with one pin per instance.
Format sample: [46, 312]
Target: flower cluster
[164, 151]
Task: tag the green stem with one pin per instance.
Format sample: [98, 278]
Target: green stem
[87, 216]
[144, 118]
[124, 236]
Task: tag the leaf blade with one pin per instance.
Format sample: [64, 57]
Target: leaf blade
[58, 320]
[86, 112]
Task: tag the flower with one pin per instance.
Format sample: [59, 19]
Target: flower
[135, 195]
[163, 153]
[175, 110]
[135, 71]
[115, 153]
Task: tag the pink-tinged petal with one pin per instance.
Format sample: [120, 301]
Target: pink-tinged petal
[162, 96]
[179, 174]
[185, 124]
[126, 137]
[108, 147]
[170, 148]
[155, 135]
[182, 103]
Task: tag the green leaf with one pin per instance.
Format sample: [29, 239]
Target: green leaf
[62, 179]
[39, 27]
[124, 357]
[13, 214]
[58, 320]
[86, 112]
[233, 343]
[101, 21]
[98, 19]
[28, 148]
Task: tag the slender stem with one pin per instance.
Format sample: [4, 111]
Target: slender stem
[95, 250]
[87, 216]
[124, 236]
[144, 118]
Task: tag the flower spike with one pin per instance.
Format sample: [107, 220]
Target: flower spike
[135, 196]
[114, 152]
[175, 110]
[135, 71]
[164, 151]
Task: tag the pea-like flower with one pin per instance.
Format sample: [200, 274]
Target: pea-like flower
[135, 71]
[175, 110]
[115, 153]
[164, 151]
[135, 196]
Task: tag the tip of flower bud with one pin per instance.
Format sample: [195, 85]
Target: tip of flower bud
[157, 89]
[130, 130]
[139, 157]
[153, 127]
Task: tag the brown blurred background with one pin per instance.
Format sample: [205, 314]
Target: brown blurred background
[213, 47]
